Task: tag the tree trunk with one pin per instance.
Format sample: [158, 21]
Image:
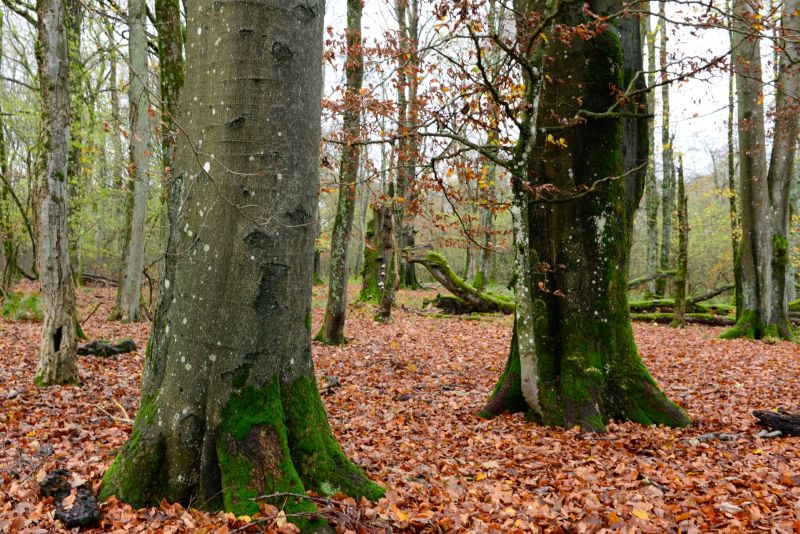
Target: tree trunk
[652, 198]
[370, 290]
[332, 331]
[387, 271]
[667, 163]
[764, 190]
[573, 360]
[230, 408]
[735, 231]
[130, 287]
[57, 360]
[171, 77]
[9, 249]
[407, 12]
[472, 298]
[681, 278]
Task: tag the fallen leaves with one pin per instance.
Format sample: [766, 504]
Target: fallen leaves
[444, 469]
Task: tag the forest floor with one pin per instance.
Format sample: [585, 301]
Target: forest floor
[405, 411]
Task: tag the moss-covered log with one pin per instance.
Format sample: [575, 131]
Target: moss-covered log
[574, 360]
[468, 298]
[691, 318]
[230, 408]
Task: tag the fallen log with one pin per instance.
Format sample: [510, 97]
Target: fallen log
[693, 318]
[649, 278]
[104, 349]
[710, 294]
[787, 422]
[469, 299]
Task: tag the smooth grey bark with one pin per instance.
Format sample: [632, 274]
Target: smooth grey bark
[764, 189]
[230, 408]
[332, 331]
[130, 288]
[57, 360]
[667, 163]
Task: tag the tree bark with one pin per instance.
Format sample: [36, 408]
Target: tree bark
[473, 299]
[230, 408]
[332, 331]
[764, 189]
[387, 271]
[667, 163]
[732, 200]
[171, 78]
[130, 288]
[573, 360]
[57, 360]
[681, 278]
[9, 249]
[652, 197]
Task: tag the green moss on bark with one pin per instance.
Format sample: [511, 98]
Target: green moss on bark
[319, 459]
[136, 476]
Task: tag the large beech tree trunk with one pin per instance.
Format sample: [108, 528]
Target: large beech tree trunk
[57, 360]
[129, 292]
[573, 360]
[332, 331]
[230, 408]
[764, 189]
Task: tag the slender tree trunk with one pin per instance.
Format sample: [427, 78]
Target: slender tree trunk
[230, 408]
[9, 249]
[57, 360]
[681, 276]
[370, 289]
[388, 261]
[114, 128]
[363, 207]
[732, 200]
[130, 287]
[652, 198]
[573, 360]
[765, 190]
[667, 164]
[332, 331]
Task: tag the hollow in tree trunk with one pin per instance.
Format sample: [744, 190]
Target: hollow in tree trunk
[230, 408]
[57, 360]
[573, 359]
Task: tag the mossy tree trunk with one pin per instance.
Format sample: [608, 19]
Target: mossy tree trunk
[472, 298]
[57, 349]
[129, 292]
[681, 278]
[573, 360]
[332, 331]
[387, 271]
[765, 189]
[230, 408]
[9, 248]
